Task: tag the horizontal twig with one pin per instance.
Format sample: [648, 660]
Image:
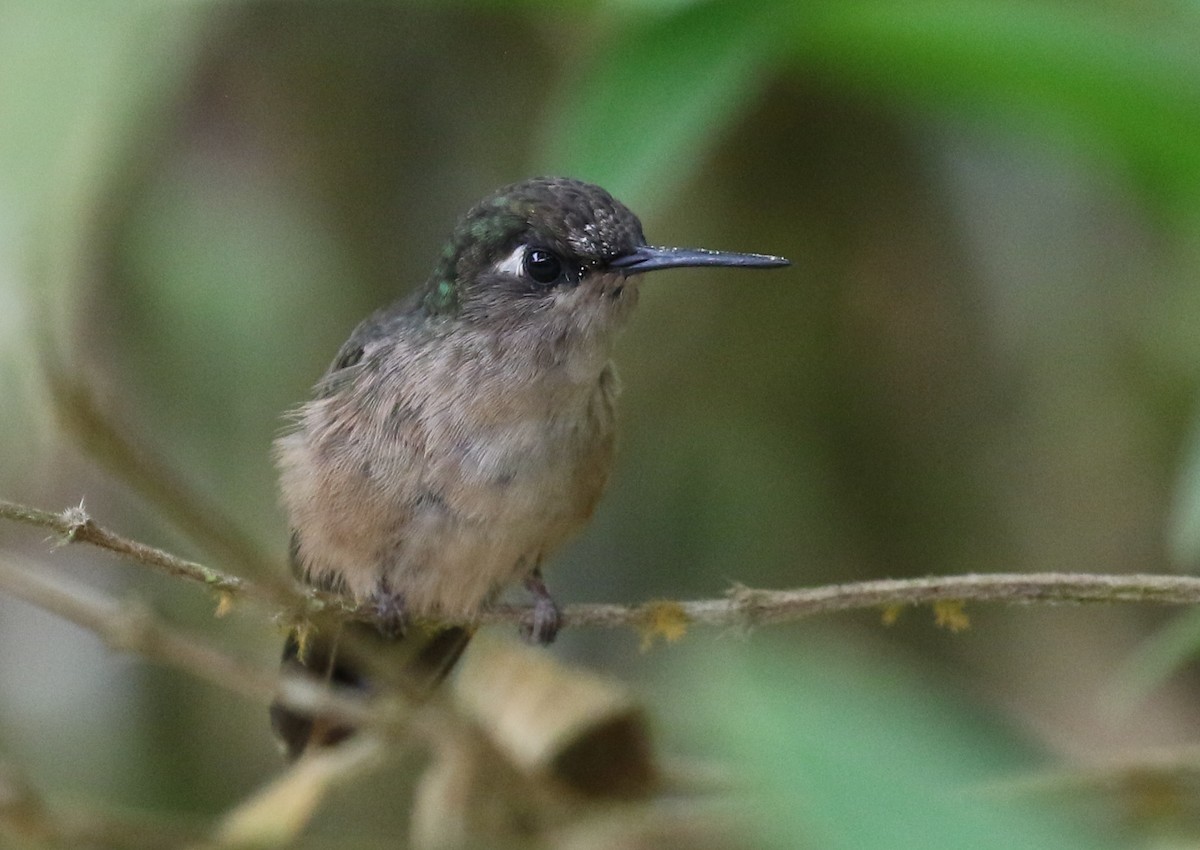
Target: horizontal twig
[746, 607]
[741, 606]
[75, 526]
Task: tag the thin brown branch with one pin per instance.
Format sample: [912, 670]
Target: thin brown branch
[741, 607]
[747, 607]
[75, 526]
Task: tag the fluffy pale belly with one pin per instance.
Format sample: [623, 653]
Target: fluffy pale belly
[448, 529]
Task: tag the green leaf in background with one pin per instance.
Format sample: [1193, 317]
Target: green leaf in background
[1184, 530]
[1152, 663]
[1088, 77]
[663, 85]
[849, 751]
[84, 89]
[1158, 658]
[640, 116]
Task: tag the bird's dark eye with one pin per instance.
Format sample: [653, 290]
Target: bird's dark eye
[543, 266]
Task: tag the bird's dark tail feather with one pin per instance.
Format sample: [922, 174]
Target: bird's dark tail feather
[356, 656]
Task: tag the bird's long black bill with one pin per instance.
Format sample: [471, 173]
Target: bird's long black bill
[649, 258]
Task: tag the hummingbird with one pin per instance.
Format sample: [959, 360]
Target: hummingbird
[464, 433]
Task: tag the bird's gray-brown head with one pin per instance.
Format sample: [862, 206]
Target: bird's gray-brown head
[554, 254]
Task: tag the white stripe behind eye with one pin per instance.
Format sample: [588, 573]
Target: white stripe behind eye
[513, 264]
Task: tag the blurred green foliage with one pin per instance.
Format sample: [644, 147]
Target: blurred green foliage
[985, 356]
[847, 750]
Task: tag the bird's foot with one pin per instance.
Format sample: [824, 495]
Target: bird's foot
[389, 610]
[542, 624]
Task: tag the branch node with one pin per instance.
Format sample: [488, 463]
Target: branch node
[224, 604]
[749, 604]
[77, 522]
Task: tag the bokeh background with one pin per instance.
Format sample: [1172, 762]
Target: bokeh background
[984, 358]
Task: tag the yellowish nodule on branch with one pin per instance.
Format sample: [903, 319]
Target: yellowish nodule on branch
[666, 620]
[950, 615]
[224, 604]
[303, 633]
[891, 614]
